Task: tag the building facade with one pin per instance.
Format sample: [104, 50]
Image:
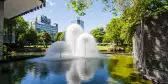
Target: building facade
[43, 23]
[79, 22]
[11, 9]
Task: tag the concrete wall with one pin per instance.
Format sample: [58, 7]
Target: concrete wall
[1, 26]
[150, 47]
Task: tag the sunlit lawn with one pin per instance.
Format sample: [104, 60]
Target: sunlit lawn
[121, 68]
[99, 47]
[39, 46]
[103, 47]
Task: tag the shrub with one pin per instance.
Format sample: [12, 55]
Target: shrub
[5, 49]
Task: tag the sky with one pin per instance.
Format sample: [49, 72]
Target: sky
[58, 12]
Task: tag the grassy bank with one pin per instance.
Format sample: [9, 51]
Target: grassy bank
[103, 47]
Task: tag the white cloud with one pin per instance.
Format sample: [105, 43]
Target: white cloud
[50, 2]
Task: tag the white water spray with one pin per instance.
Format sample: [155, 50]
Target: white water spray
[77, 44]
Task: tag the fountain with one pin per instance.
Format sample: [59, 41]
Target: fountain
[58, 50]
[72, 34]
[86, 46]
[77, 44]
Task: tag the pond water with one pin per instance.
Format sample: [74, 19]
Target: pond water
[118, 70]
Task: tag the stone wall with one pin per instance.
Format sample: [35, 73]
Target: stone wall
[1, 26]
[150, 47]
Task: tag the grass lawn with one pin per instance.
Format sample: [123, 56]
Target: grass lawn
[103, 47]
[39, 46]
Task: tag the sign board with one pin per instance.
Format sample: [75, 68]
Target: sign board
[45, 20]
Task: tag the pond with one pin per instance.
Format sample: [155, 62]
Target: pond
[118, 70]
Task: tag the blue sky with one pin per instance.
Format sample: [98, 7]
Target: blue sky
[58, 12]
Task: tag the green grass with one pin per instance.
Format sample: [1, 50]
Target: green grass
[107, 47]
[103, 47]
[121, 68]
[39, 46]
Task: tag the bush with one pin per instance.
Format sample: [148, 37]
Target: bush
[5, 49]
[128, 49]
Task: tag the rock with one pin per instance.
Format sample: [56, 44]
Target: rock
[111, 50]
[150, 47]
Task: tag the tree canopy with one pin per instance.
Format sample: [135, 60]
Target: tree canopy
[118, 6]
[113, 6]
[21, 26]
[46, 38]
[98, 33]
[130, 13]
[31, 36]
[113, 31]
[59, 36]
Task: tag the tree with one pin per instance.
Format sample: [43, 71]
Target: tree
[113, 31]
[107, 38]
[39, 37]
[98, 33]
[113, 6]
[118, 6]
[62, 37]
[131, 12]
[46, 38]
[59, 36]
[21, 40]
[31, 36]
[21, 27]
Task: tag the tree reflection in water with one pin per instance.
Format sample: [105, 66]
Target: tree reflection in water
[63, 72]
[121, 68]
[13, 73]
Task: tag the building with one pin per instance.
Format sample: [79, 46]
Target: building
[43, 23]
[11, 9]
[78, 21]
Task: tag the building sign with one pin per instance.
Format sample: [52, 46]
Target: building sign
[45, 20]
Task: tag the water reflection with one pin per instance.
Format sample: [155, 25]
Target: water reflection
[38, 71]
[82, 70]
[87, 68]
[72, 76]
[12, 73]
[56, 67]
[121, 68]
[28, 53]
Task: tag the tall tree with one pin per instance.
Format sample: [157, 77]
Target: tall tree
[62, 36]
[21, 27]
[46, 38]
[113, 31]
[132, 12]
[59, 36]
[98, 33]
[21, 40]
[113, 6]
[31, 36]
[39, 37]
